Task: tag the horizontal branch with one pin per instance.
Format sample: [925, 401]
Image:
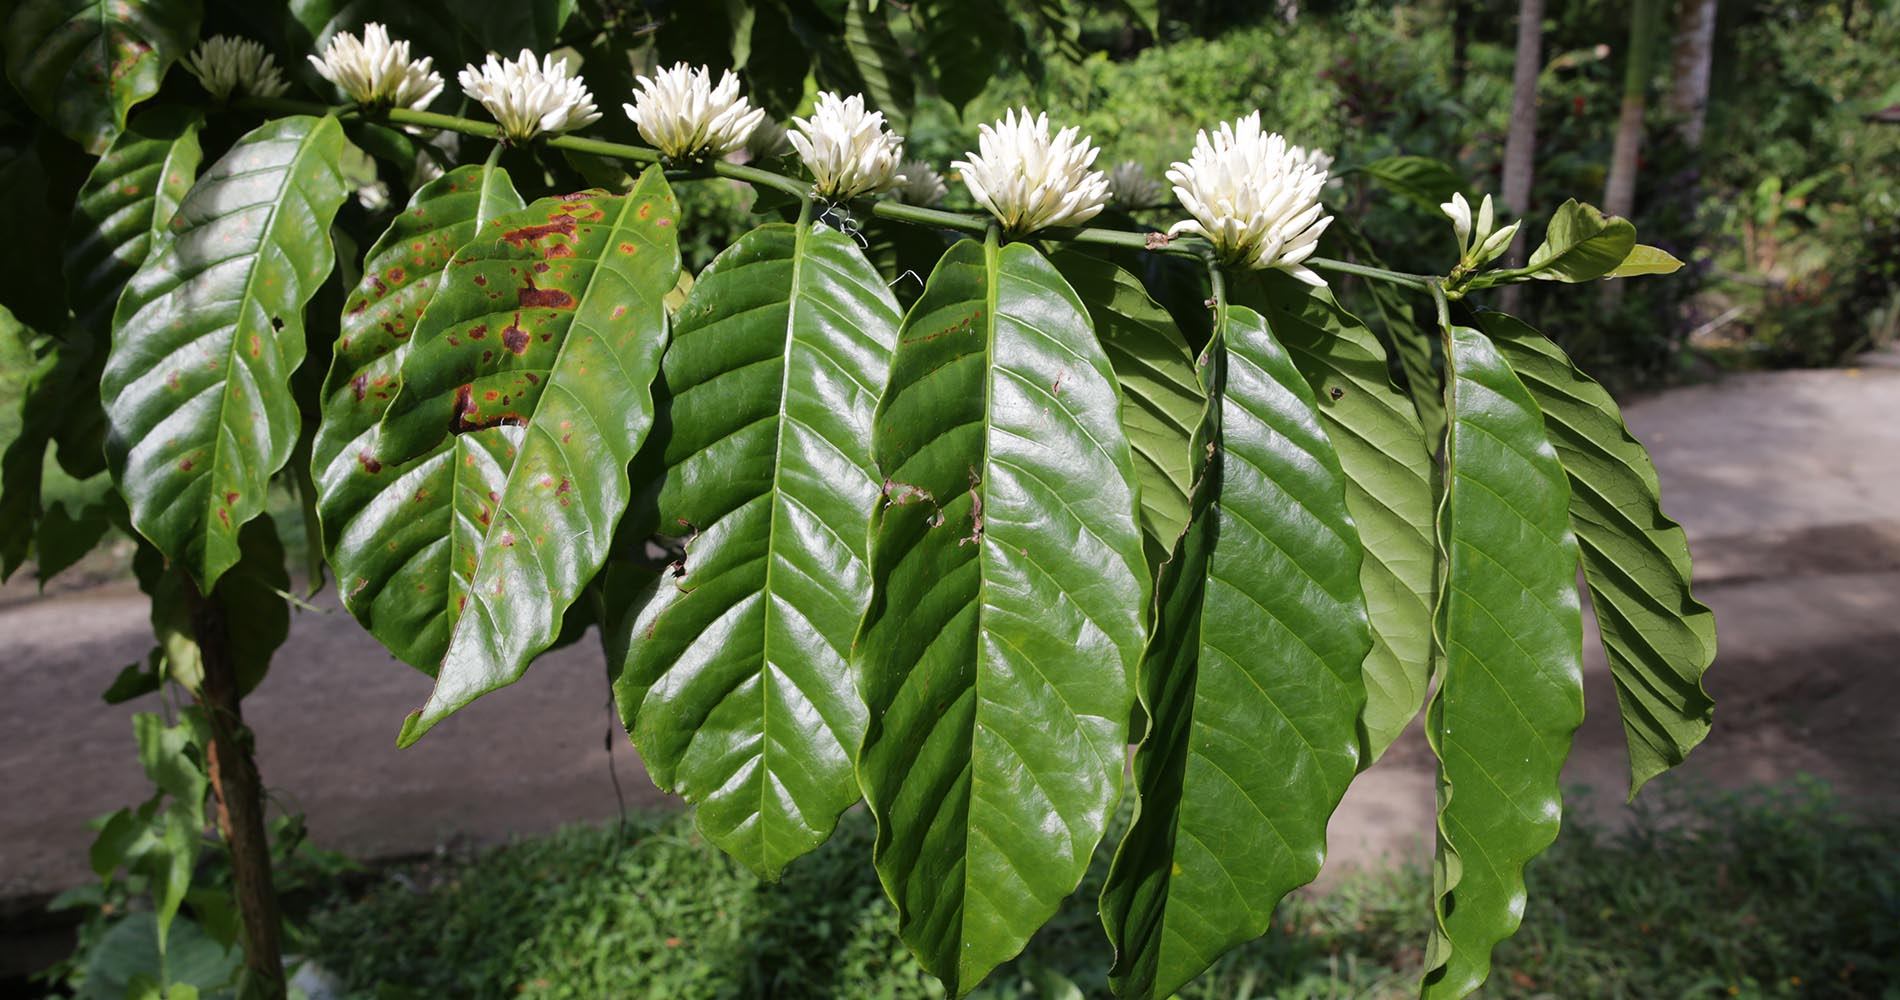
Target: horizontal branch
[893, 210]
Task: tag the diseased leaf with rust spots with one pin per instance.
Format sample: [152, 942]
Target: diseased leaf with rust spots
[388, 528]
[544, 340]
[82, 64]
[207, 334]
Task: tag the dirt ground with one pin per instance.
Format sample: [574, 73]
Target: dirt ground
[1785, 482]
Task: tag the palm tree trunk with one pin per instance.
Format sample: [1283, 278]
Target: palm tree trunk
[1694, 54]
[1520, 145]
[1619, 194]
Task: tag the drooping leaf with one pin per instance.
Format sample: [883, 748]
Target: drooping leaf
[1251, 682]
[1423, 180]
[30, 209]
[1389, 489]
[384, 542]
[1161, 395]
[1511, 695]
[82, 64]
[51, 384]
[531, 369]
[206, 337]
[997, 655]
[73, 527]
[734, 671]
[1404, 338]
[1582, 244]
[1645, 259]
[880, 60]
[1659, 639]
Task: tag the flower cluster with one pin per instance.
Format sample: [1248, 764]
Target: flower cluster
[1130, 186]
[1254, 197]
[923, 185]
[848, 149]
[1478, 244]
[528, 98]
[682, 114]
[227, 66]
[1031, 180]
[375, 70]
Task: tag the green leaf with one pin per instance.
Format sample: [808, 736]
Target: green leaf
[1582, 244]
[963, 41]
[1161, 394]
[880, 60]
[124, 208]
[1423, 180]
[734, 674]
[69, 530]
[1252, 681]
[1404, 338]
[1645, 259]
[257, 617]
[508, 25]
[529, 378]
[997, 656]
[1659, 639]
[82, 64]
[1389, 489]
[1511, 693]
[207, 335]
[34, 204]
[385, 543]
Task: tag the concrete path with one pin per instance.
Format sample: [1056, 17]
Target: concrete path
[1785, 482]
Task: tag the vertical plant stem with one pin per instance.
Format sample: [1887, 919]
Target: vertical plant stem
[240, 798]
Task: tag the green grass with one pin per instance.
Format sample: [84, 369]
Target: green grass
[1763, 894]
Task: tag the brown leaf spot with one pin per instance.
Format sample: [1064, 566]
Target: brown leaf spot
[515, 338]
[185, 466]
[532, 297]
[562, 225]
[369, 463]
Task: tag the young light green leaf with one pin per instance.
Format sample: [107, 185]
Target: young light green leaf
[539, 346]
[1659, 639]
[1161, 395]
[207, 334]
[733, 673]
[1251, 681]
[1511, 694]
[1389, 489]
[82, 64]
[1582, 244]
[1645, 259]
[998, 652]
[388, 530]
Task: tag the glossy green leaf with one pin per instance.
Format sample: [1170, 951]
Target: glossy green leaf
[1252, 680]
[534, 359]
[734, 674]
[1425, 181]
[1511, 692]
[386, 528]
[82, 64]
[124, 209]
[1659, 639]
[1161, 394]
[880, 60]
[206, 337]
[1645, 259]
[1582, 244]
[1389, 489]
[997, 656]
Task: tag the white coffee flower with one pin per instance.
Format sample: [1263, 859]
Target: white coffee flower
[376, 70]
[1031, 181]
[1130, 186]
[527, 97]
[923, 185]
[848, 149]
[1254, 196]
[1478, 244]
[680, 112]
[1317, 159]
[767, 142]
[226, 66]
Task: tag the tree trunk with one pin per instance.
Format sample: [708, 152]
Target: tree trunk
[240, 798]
[1520, 146]
[1460, 45]
[1619, 194]
[1694, 53]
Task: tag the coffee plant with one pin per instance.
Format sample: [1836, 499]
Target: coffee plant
[949, 550]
